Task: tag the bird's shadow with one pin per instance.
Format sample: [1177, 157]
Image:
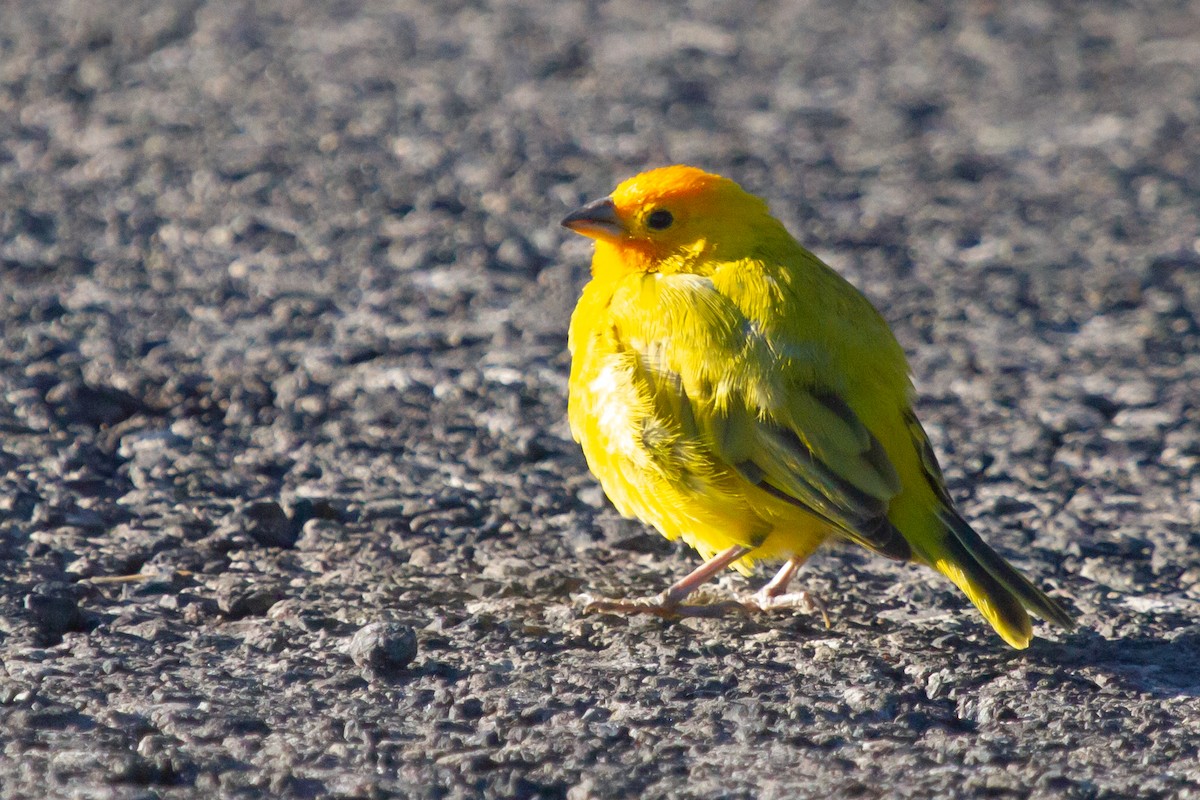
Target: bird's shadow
[1159, 666]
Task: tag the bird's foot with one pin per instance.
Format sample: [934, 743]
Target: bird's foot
[764, 601]
[138, 577]
[661, 605]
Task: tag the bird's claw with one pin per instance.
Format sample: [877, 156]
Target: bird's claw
[764, 602]
[660, 605]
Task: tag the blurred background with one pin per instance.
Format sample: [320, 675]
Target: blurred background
[283, 311]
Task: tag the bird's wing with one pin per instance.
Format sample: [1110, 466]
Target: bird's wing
[814, 453]
[759, 407]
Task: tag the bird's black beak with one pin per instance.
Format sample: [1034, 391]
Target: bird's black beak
[598, 219]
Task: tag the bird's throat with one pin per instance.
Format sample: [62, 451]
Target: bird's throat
[616, 259]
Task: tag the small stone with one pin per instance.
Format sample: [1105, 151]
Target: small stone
[54, 609]
[422, 557]
[238, 600]
[267, 523]
[74, 401]
[317, 533]
[383, 646]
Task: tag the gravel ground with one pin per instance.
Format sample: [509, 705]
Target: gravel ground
[284, 313]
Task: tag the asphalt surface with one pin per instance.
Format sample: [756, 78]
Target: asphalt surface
[284, 308]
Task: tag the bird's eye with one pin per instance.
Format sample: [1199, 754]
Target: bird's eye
[659, 219]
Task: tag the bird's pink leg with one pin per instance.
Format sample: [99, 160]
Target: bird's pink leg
[773, 594]
[777, 585]
[670, 602]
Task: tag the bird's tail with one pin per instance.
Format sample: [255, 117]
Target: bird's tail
[1000, 593]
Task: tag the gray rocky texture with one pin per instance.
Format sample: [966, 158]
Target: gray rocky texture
[283, 333]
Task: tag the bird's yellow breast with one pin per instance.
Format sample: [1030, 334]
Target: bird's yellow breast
[637, 424]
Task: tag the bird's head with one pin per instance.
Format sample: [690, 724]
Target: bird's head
[672, 219]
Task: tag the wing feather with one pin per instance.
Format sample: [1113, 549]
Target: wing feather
[730, 390]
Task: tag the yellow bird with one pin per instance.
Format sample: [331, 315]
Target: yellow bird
[730, 389]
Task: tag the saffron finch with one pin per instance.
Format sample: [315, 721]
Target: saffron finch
[730, 389]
